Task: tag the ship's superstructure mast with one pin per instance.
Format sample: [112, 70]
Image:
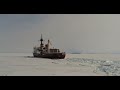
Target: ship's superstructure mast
[41, 45]
[41, 41]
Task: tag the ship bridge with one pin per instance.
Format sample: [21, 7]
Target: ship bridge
[54, 50]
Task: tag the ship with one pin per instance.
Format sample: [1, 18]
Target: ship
[44, 51]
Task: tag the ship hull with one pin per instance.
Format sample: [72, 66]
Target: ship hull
[50, 56]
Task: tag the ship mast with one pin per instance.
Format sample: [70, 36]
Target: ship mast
[41, 41]
[41, 45]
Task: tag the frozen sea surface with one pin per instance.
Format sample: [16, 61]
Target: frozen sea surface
[23, 64]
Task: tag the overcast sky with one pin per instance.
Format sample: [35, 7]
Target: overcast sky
[86, 33]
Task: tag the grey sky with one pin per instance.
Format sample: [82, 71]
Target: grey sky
[87, 33]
